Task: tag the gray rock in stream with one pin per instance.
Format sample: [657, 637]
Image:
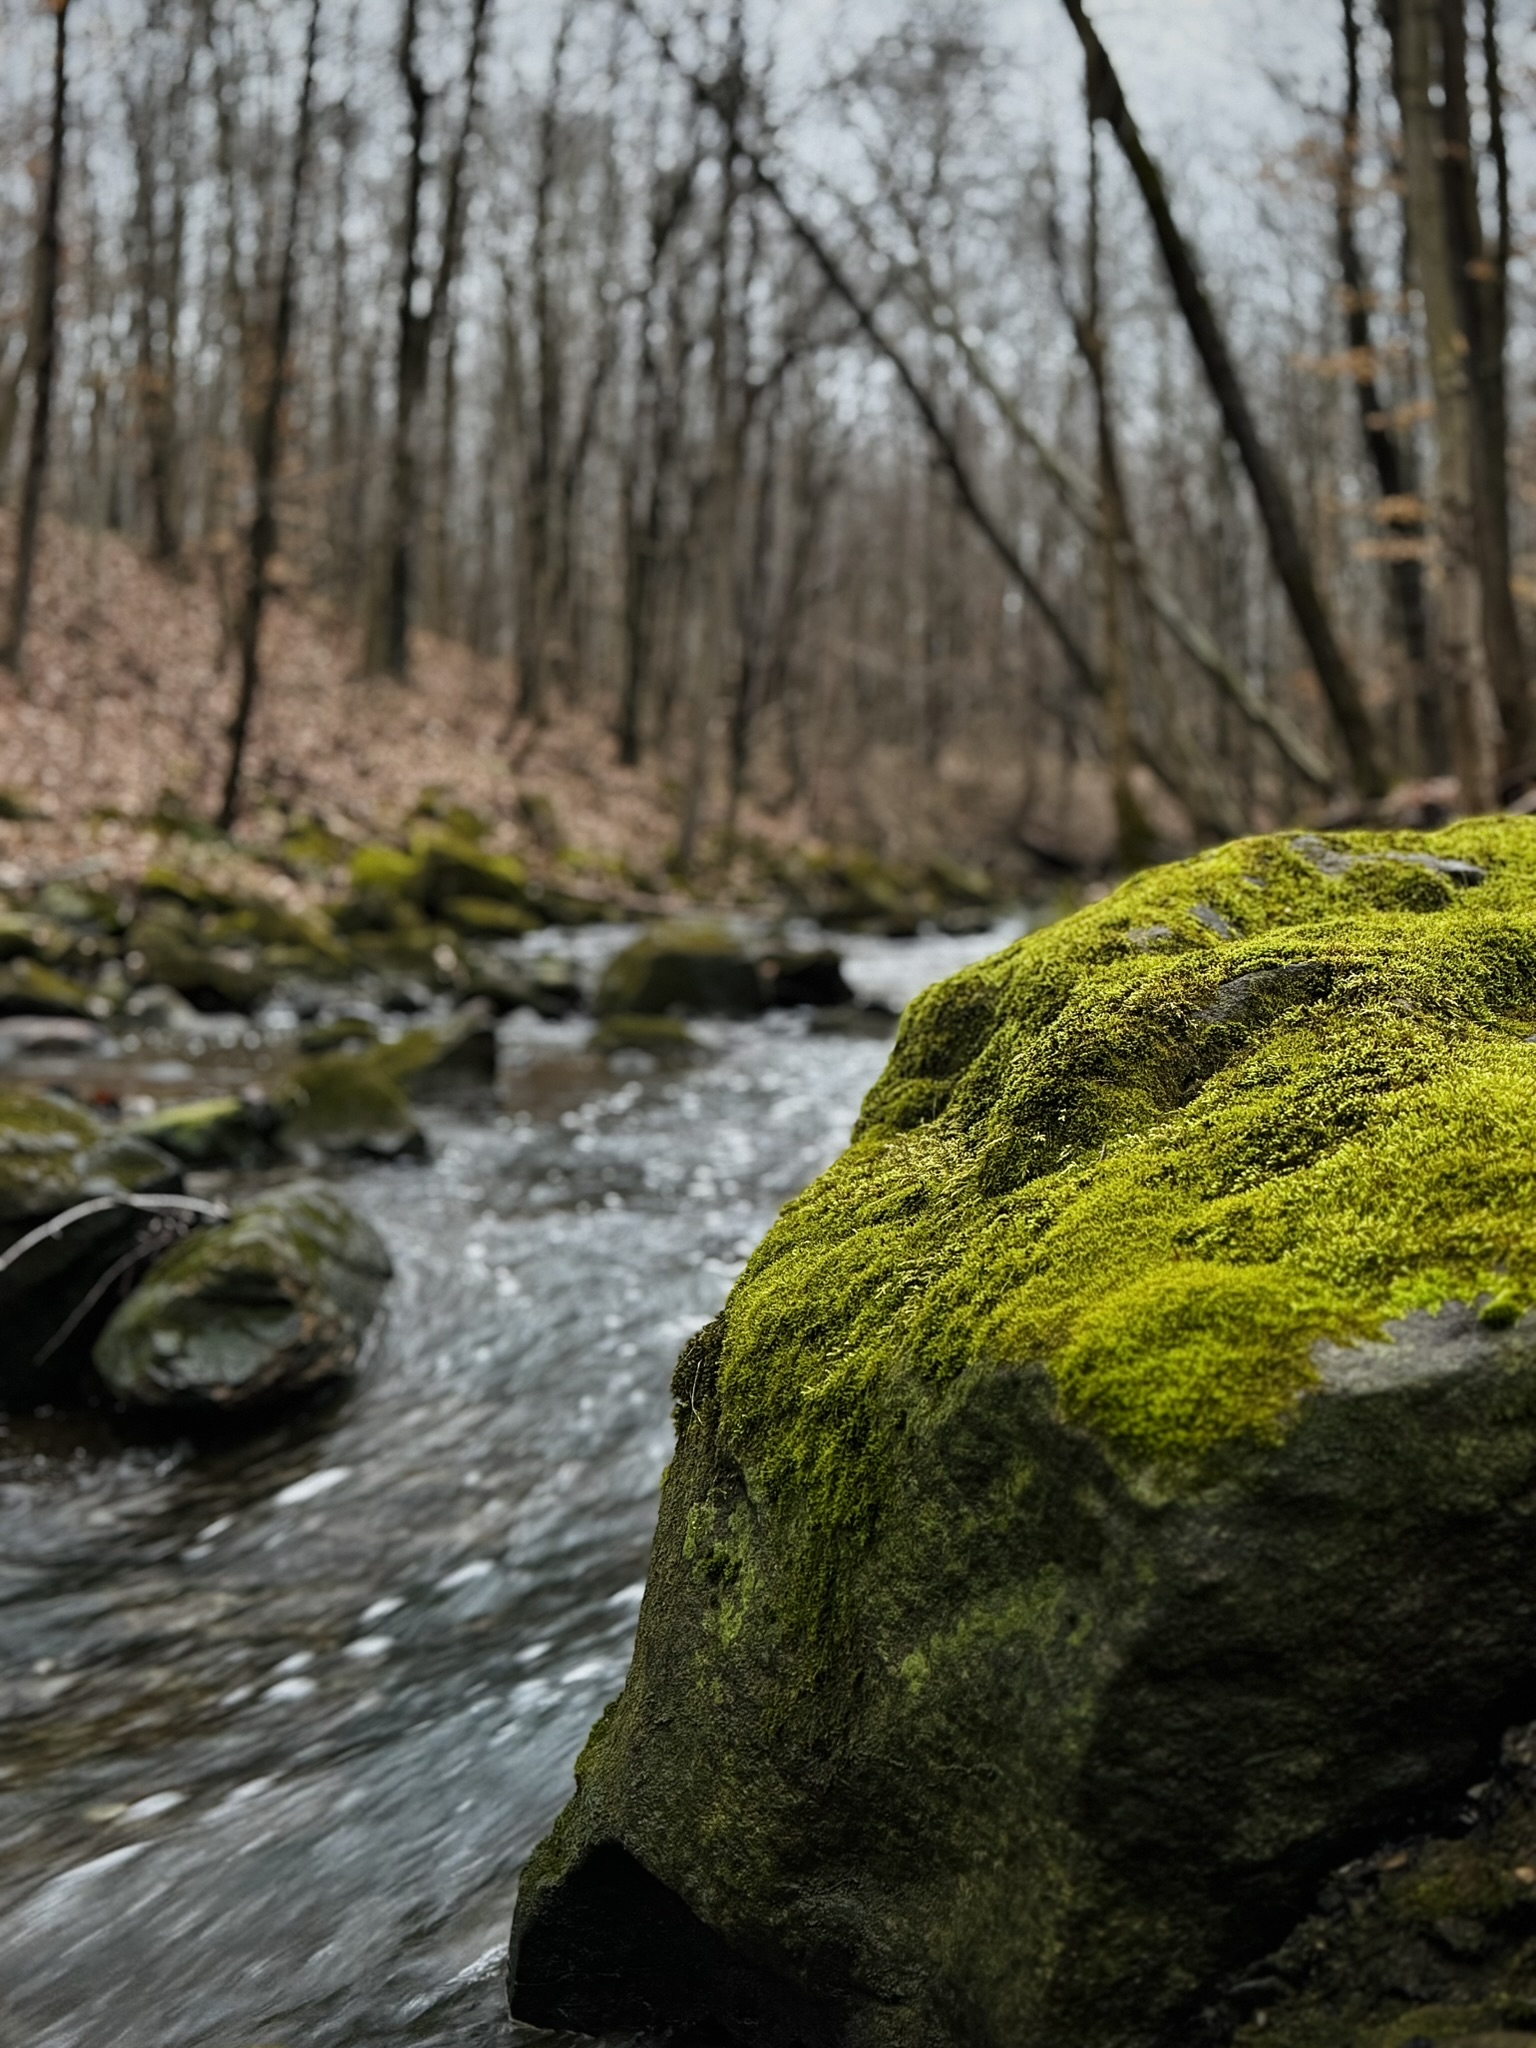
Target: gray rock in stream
[270, 1305]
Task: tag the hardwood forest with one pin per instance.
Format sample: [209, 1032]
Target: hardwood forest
[882, 428]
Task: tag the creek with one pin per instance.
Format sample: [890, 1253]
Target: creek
[282, 1720]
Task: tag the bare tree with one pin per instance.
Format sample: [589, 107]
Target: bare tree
[1293, 564]
[266, 444]
[45, 332]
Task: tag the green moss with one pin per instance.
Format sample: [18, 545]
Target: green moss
[41, 1143]
[1278, 1093]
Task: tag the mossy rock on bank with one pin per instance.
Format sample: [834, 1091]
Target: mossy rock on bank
[165, 947]
[268, 1306]
[1105, 1500]
[55, 1157]
[689, 967]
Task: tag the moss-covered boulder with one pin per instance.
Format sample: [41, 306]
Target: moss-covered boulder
[1106, 1499]
[689, 967]
[55, 1158]
[29, 989]
[441, 1062]
[338, 1104]
[166, 946]
[270, 1305]
[236, 1131]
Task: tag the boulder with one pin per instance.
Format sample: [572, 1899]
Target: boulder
[166, 947]
[510, 982]
[338, 1103]
[688, 967]
[29, 989]
[666, 1041]
[1104, 1502]
[235, 1131]
[54, 1158]
[441, 1062]
[268, 1306]
[791, 979]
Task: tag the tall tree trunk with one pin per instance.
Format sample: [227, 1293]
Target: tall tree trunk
[539, 510]
[45, 363]
[1293, 564]
[1479, 275]
[1386, 455]
[266, 449]
[1460, 645]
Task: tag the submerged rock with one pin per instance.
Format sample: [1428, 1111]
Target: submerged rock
[1104, 1502]
[698, 967]
[270, 1305]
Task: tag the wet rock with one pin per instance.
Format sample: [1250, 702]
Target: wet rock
[508, 982]
[225, 1131]
[442, 1062]
[340, 1034]
[29, 989]
[158, 1008]
[660, 1041]
[1104, 1501]
[55, 1292]
[266, 1307]
[791, 979]
[688, 967]
[338, 1104]
[856, 1020]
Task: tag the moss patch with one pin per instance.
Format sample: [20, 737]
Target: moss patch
[1281, 1092]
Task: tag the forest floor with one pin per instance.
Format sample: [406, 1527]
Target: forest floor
[116, 731]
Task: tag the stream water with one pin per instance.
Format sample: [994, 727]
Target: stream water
[279, 1723]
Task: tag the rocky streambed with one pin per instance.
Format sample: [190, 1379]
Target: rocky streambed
[285, 1708]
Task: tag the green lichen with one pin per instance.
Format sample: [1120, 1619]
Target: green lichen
[1279, 1093]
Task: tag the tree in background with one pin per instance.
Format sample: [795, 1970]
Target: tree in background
[42, 350]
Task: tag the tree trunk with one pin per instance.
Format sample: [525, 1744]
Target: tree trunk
[1385, 453]
[45, 364]
[266, 448]
[1460, 644]
[1288, 551]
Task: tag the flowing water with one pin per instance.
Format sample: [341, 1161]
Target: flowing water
[279, 1723]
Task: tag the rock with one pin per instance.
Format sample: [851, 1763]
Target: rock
[28, 989]
[29, 938]
[234, 1131]
[442, 1062]
[266, 1307]
[54, 1157]
[790, 979]
[339, 1103]
[1104, 1502]
[166, 947]
[664, 1041]
[507, 982]
[339, 1034]
[697, 967]
[486, 916]
[161, 1009]
[856, 1020]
